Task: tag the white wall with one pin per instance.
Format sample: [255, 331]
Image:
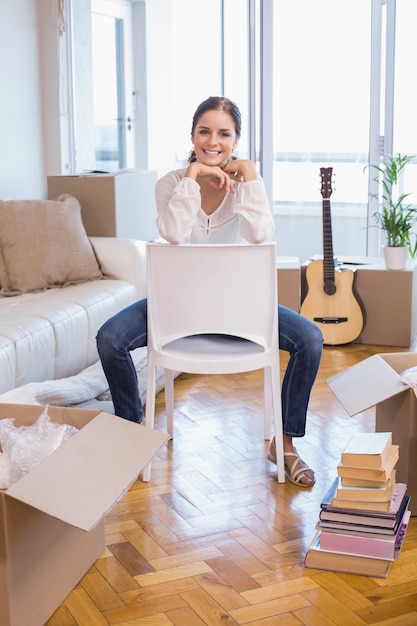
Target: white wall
[29, 109]
[160, 90]
[83, 85]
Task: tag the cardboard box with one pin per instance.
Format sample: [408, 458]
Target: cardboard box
[376, 381]
[112, 205]
[288, 277]
[388, 299]
[52, 519]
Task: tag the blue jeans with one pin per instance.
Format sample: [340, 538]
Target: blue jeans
[127, 330]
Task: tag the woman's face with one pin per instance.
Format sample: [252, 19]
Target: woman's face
[214, 137]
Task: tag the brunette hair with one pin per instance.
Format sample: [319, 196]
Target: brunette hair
[216, 103]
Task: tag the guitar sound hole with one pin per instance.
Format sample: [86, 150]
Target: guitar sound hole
[329, 288]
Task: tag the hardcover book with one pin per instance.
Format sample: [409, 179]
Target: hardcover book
[318, 558]
[368, 450]
[371, 519]
[333, 526]
[361, 505]
[359, 482]
[365, 544]
[368, 494]
[371, 473]
[366, 508]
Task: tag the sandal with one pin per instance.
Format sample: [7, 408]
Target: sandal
[295, 475]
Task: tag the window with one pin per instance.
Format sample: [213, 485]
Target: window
[405, 118]
[104, 98]
[321, 119]
[318, 90]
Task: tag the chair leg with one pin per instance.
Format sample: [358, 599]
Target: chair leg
[149, 413]
[277, 411]
[268, 408]
[169, 400]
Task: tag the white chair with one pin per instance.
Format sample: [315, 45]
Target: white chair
[200, 299]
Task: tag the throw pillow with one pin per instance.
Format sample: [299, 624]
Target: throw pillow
[43, 244]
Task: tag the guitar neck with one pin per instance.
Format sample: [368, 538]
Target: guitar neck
[328, 259]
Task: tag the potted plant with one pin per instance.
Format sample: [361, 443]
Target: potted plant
[396, 216]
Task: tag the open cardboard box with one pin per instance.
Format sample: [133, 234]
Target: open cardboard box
[52, 519]
[376, 381]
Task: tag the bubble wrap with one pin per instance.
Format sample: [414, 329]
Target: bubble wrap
[26, 446]
[409, 376]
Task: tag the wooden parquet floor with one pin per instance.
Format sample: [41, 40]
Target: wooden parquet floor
[213, 539]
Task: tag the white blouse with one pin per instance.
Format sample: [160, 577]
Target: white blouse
[243, 214]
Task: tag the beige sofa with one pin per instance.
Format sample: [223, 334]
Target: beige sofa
[57, 287]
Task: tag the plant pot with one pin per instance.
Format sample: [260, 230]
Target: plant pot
[395, 257]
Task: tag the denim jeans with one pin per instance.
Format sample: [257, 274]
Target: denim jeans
[127, 330]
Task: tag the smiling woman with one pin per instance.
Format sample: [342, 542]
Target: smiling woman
[219, 178]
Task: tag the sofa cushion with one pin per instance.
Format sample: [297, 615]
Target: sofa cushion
[43, 244]
[51, 334]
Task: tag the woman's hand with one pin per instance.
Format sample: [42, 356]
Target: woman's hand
[224, 177]
[214, 174]
[240, 170]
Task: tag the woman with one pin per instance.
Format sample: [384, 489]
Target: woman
[217, 199]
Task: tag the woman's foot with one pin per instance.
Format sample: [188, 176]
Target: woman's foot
[296, 470]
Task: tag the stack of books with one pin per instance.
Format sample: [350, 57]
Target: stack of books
[364, 516]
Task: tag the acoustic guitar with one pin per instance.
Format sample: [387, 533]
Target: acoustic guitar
[330, 301]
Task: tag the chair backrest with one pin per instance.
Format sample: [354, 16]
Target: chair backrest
[196, 289]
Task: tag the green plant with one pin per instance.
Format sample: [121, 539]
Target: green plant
[396, 217]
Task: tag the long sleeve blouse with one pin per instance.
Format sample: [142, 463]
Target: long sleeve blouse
[242, 215]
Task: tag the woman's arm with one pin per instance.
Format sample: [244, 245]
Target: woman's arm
[252, 205]
[178, 201]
